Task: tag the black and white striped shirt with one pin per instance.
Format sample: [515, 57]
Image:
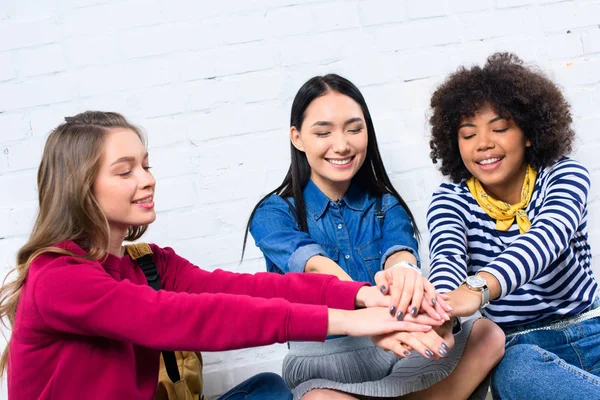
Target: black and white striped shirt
[543, 272]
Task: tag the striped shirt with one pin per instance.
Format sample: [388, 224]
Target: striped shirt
[543, 272]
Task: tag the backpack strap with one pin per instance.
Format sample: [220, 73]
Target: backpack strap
[142, 254]
[379, 213]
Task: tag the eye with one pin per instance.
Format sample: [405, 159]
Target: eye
[321, 134]
[147, 168]
[500, 130]
[125, 174]
[357, 130]
[467, 137]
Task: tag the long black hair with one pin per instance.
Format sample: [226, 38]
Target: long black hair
[371, 175]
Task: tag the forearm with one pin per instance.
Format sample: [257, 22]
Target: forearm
[323, 265]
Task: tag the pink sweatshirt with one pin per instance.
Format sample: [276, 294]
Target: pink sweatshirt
[91, 330]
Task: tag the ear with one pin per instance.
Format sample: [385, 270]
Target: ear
[296, 138]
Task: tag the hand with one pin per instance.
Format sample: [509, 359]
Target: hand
[371, 322]
[409, 292]
[463, 301]
[370, 296]
[430, 344]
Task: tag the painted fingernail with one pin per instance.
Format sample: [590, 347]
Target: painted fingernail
[442, 352]
[445, 346]
[382, 288]
[399, 315]
[392, 311]
[433, 302]
[413, 311]
[407, 353]
[438, 316]
[428, 353]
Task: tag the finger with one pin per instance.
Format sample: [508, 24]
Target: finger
[406, 295]
[427, 308]
[404, 326]
[430, 292]
[381, 282]
[399, 348]
[396, 289]
[415, 304]
[415, 342]
[435, 343]
[424, 319]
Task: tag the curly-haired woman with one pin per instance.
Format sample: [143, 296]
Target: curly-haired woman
[509, 236]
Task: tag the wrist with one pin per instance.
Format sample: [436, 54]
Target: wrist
[359, 300]
[404, 264]
[335, 322]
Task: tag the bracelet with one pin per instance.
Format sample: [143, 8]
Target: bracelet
[406, 264]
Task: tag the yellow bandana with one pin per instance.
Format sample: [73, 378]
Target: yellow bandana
[502, 212]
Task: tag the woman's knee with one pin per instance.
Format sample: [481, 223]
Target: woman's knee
[488, 340]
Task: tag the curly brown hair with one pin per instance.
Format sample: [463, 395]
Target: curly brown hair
[512, 90]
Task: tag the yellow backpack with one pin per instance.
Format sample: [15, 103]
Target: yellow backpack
[180, 375]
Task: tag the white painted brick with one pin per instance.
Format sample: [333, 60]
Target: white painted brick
[30, 9]
[466, 6]
[505, 22]
[173, 193]
[513, 3]
[8, 257]
[563, 45]
[18, 221]
[164, 131]
[44, 119]
[41, 60]
[582, 102]
[101, 49]
[377, 12]
[577, 72]
[363, 71]
[161, 100]
[13, 127]
[14, 35]
[18, 188]
[426, 9]
[23, 155]
[112, 16]
[591, 40]
[569, 15]
[128, 75]
[310, 18]
[36, 92]
[419, 64]
[416, 34]
[7, 67]
[322, 47]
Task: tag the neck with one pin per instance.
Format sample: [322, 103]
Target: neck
[508, 192]
[115, 241]
[333, 190]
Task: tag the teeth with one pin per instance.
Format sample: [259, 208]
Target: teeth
[489, 161]
[340, 162]
[146, 200]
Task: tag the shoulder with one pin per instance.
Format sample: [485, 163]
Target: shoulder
[562, 167]
[452, 192]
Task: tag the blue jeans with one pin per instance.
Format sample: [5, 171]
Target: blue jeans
[267, 386]
[550, 364]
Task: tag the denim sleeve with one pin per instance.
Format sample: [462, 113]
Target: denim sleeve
[398, 233]
[279, 237]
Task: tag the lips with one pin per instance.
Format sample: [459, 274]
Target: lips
[489, 160]
[340, 161]
[144, 200]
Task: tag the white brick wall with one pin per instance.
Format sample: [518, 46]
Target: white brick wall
[212, 84]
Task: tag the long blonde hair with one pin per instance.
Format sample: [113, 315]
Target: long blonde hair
[68, 210]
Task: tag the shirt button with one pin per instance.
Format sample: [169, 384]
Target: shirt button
[347, 256]
[340, 226]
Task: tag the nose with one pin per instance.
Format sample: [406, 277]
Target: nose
[340, 144]
[147, 180]
[484, 141]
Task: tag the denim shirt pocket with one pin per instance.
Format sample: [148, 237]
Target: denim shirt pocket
[371, 256]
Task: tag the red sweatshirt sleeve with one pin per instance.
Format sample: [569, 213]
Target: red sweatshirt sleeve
[77, 297]
[179, 275]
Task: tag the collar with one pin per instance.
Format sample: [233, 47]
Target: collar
[317, 202]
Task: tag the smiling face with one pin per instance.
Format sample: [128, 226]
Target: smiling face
[124, 186]
[334, 138]
[492, 148]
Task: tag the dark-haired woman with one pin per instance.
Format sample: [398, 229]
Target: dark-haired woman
[513, 226]
[337, 213]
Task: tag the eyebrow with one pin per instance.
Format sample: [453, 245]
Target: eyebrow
[127, 159]
[328, 123]
[491, 121]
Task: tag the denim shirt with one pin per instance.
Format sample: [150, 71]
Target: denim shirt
[345, 231]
